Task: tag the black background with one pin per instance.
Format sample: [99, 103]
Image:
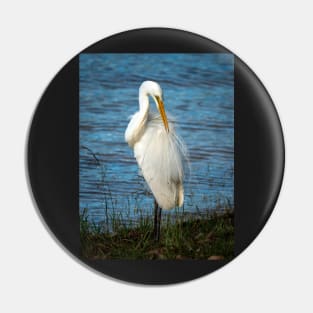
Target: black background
[53, 152]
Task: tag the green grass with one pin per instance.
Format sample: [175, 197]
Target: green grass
[209, 236]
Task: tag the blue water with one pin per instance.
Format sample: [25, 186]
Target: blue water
[198, 92]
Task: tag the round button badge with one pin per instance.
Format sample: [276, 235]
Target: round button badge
[155, 156]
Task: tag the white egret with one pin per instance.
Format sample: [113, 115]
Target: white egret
[159, 152]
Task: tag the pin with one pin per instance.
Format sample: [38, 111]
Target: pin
[155, 156]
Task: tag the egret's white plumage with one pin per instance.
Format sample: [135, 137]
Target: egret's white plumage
[160, 153]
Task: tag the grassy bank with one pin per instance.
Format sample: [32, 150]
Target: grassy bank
[187, 237]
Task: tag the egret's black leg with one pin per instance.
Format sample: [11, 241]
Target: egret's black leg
[156, 206]
[159, 224]
[157, 221]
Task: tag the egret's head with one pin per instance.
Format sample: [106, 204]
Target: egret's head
[153, 89]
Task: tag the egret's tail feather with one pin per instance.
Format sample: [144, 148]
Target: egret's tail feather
[180, 195]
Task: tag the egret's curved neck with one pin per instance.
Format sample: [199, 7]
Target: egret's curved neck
[143, 101]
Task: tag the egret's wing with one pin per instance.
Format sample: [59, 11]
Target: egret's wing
[160, 156]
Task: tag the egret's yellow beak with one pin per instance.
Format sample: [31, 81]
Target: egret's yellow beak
[162, 112]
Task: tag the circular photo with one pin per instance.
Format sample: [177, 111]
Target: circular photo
[155, 156]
